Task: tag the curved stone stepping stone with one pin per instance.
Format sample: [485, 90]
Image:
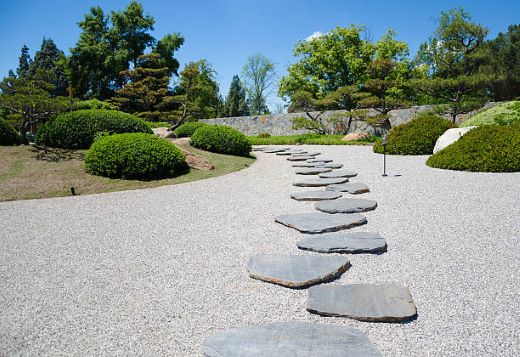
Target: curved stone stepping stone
[317, 182]
[330, 166]
[363, 302]
[318, 222]
[344, 242]
[272, 151]
[306, 164]
[350, 187]
[287, 153]
[299, 158]
[320, 160]
[312, 153]
[338, 173]
[296, 271]
[312, 171]
[315, 195]
[346, 205]
[290, 339]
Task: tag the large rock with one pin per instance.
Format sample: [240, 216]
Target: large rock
[355, 136]
[346, 205]
[290, 339]
[315, 195]
[296, 271]
[450, 136]
[312, 171]
[339, 173]
[317, 222]
[363, 302]
[350, 187]
[344, 242]
[318, 182]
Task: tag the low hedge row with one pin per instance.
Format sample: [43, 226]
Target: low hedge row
[221, 139]
[187, 129]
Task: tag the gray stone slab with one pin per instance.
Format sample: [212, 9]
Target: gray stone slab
[346, 205]
[364, 302]
[296, 271]
[274, 150]
[319, 160]
[290, 339]
[315, 195]
[305, 164]
[288, 153]
[338, 173]
[299, 158]
[344, 242]
[350, 187]
[312, 153]
[318, 222]
[318, 182]
[312, 171]
[330, 165]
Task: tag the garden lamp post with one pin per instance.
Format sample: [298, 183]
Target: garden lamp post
[384, 142]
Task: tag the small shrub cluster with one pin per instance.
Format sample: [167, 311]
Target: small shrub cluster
[263, 135]
[93, 104]
[187, 129]
[134, 156]
[221, 139]
[77, 129]
[8, 134]
[417, 137]
[501, 114]
[157, 124]
[489, 148]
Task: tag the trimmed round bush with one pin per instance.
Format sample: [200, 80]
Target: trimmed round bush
[489, 148]
[221, 139]
[134, 156]
[501, 114]
[187, 129]
[77, 129]
[417, 137]
[8, 134]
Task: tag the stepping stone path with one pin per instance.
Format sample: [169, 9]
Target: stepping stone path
[330, 166]
[317, 182]
[312, 171]
[290, 339]
[315, 195]
[287, 153]
[351, 187]
[320, 160]
[296, 271]
[363, 302]
[339, 173]
[344, 242]
[317, 222]
[346, 205]
[300, 158]
[272, 151]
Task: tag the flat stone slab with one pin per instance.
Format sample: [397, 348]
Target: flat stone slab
[272, 151]
[344, 242]
[312, 153]
[338, 173]
[290, 339]
[330, 166]
[312, 171]
[299, 157]
[318, 182]
[296, 271]
[287, 153]
[322, 160]
[318, 222]
[315, 195]
[363, 302]
[346, 205]
[306, 164]
[350, 187]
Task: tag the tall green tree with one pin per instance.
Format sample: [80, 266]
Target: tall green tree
[166, 48]
[236, 104]
[24, 63]
[259, 74]
[49, 65]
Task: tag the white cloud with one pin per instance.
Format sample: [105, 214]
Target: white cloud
[314, 35]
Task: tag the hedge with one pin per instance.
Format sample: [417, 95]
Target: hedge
[8, 134]
[501, 114]
[187, 129]
[221, 139]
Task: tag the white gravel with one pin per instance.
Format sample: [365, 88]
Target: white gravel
[155, 271]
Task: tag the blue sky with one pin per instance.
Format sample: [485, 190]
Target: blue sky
[226, 32]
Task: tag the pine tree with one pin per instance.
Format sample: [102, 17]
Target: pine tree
[236, 104]
[49, 66]
[24, 62]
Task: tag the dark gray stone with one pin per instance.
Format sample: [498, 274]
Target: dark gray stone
[317, 182]
[296, 271]
[346, 205]
[330, 166]
[312, 153]
[274, 150]
[299, 158]
[344, 242]
[291, 152]
[350, 187]
[317, 222]
[320, 160]
[339, 173]
[315, 195]
[363, 302]
[312, 171]
[290, 339]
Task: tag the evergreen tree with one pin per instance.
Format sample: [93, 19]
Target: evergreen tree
[166, 47]
[24, 63]
[49, 65]
[236, 104]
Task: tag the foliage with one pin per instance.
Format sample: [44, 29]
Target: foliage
[93, 104]
[489, 148]
[337, 123]
[309, 139]
[49, 65]
[8, 135]
[263, 135]
[236, 104]
[221, 139]
[77, 129]
[501, 114]
[134, 156]
[24, 63]
[157, 124]
[417, 137]
[187, 129]
[166, 48]
[259, 75]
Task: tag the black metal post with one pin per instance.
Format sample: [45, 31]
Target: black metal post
[384, 156]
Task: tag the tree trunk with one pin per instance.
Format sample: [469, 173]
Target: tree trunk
[23, 132]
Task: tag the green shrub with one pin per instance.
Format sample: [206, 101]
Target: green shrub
[93, 104]
[8, 134]
[157, 124]
[417, 137]
[221, 139]
[187, 129]
[501, 114]
[489, 148]
[134, 156]
[263, 135]
[76, 130]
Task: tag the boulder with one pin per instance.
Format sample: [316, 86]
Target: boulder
[450, 136]
[355, 136]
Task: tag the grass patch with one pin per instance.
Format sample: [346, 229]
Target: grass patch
[310, 139]
[28, 173]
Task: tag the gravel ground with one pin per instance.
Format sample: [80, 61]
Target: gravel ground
[155, 271]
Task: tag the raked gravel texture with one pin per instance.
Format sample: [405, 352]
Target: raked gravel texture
[155, 271]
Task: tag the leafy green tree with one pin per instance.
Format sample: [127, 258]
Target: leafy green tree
[24, 63]
[166, 47]
[49, 65]
[236, 104]
[259, 75]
